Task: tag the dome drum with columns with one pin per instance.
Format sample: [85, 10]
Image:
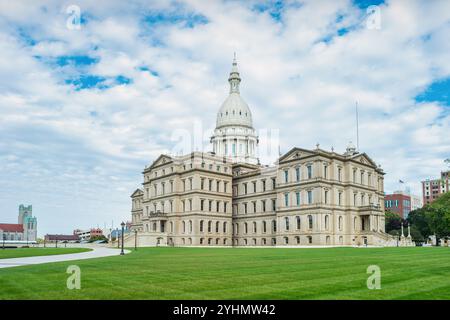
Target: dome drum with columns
[234, 136]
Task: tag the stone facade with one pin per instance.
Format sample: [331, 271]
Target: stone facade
[25, 230]
[227, 198]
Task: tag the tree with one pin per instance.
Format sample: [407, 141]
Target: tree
[433, 219]
[392, 221]
[436, 218]
[418, 219]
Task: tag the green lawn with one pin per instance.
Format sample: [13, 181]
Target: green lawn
[240, 273]
[32, 252]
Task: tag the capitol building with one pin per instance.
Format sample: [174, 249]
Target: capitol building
[227, 198]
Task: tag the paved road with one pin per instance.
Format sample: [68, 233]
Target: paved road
[97, 252]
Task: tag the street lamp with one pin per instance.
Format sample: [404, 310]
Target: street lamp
[117, 237]
[135, 239]
[123, 227]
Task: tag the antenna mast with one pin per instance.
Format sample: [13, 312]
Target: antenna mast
[357, 127]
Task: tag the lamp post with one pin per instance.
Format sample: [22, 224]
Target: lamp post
[117, 237]
[135, 239]
[123, 227]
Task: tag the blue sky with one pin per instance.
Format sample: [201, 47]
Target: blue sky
[82, 111]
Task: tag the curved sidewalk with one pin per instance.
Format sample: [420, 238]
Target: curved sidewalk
[97, 252]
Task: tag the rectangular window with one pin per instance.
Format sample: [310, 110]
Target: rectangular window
[263, 203]
[254, 207]
[340, 174]
[286, 176]
[297, 195]
[326, 197]
[254, 186]
[274, 183]
[297, 174]
[245, 208]
[340, 198]
[264, 185]
[286, 199]
[310, 198]
[245, 188]
[325, 172]
[309, 172]
[274, 204]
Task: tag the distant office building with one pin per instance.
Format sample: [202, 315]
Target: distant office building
[88, 234]
[416, 202]
[24, 230]
[433, 188]
[398, 202]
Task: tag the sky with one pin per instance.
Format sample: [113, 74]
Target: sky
[93, 91]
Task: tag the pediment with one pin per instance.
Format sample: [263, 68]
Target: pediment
[294, 154]
[138, 192]
[162, 159]
[364, 159]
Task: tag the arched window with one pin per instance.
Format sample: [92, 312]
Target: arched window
[340, 223]
[327, 240]
[182, 241]
[264, 224]
[254, 242]
[209, 241]
[274, 226]
[286, 221]
[354, 223]
[298, 222]
[224, 227]
[245, 242]
[327, 222]
[201, 240]
[190, 226]
[154, 227]
[209, 226]
[184, 227]
[297, 240]
[171, 226]
[217, 227]
[286, 240]
[190, 241]
[310, 222]
[224, 241]
[237, 228]
[263, 241]
[254, 227]
[217, 241]
[245, 227]
[201, 225]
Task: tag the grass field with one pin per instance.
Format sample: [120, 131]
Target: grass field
[32, 252]
[240, 273]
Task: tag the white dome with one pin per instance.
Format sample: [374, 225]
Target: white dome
[234, 112]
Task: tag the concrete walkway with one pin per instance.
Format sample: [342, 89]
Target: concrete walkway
[97, 252]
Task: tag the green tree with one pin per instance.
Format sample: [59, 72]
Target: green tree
[418, 220]
[392, 221]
